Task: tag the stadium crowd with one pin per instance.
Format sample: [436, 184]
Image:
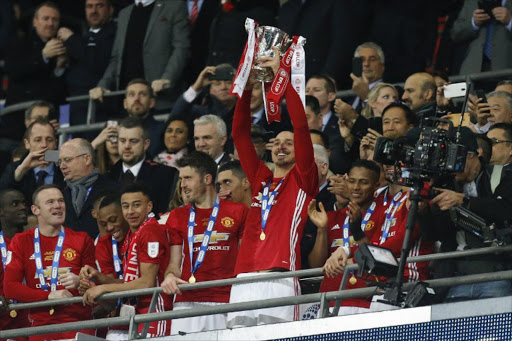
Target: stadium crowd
[218, 191]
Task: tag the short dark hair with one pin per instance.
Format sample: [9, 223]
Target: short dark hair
[42, 188]
[369, 165]
[109, 199]
[484, 143]
[235, 167]
[200, 161]
[3, 194]
[312, 102]
[330, 85]
[40, 121]
[506, 127]
[137, 188]
[50, 4]
[324, 137]
[410, 117]
[40, 104]
[134, 122]
[143, 82]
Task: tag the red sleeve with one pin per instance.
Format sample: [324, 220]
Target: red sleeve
[88, 252]
[172, 228]
[15, 274]
[104, 258]
[304, 155]
[241, 133]
[152, 245]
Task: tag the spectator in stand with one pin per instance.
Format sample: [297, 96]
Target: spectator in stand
[177, 139]
[32, 171]
[83, 183]
[498, 109]
[420, 95]
[106, 147]
[211, 221]
[49, 277]
[13, 216]
[133, 167]
[89, 55]
[373, 68]
[313, 114]
[486, 33]
[233, 184]
[35, 67]
[151, 42]
[146, 250]
[379, 97]
[210, 137]
[323, 89]
[43, 110]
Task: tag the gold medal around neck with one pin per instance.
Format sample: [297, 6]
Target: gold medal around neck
[52, 311]
[192, 279]
[262, 236]
[13, 314]
[353, 280]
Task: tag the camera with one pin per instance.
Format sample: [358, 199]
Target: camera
[436, 153]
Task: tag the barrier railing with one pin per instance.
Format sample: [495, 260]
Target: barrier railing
[323, 298]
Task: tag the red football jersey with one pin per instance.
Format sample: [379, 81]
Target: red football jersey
[104, 257]
[151, 246]
[220, 258]
[77, 251]
[335, 240]
[6, 321]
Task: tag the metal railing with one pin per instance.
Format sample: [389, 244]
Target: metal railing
[323, 298]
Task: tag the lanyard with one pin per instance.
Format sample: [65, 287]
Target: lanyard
[393, 207]
[117, 260]
[55, 263]
[266, 205]
[206, 237]
[3, 249]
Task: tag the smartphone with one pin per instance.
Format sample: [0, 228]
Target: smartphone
[481, 94]
[223, 74]
[357, 66]
[455, 90]
[51, 155]
[488, 5]
[375, 123]
[112, 123]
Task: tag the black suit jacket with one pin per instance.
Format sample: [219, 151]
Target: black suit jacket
[84, 221]
[160, 180]
[27, 185]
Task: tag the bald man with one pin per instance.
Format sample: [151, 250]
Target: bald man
[83, 183]
[420, 95]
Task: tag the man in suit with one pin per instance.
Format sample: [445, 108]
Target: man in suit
[43, 110]
[210, 137]
[323, 88]
[89, 55]
[83, 183]
[33, 171]
[487, 34]
[133, 167]
[420, 95]
[151, 42]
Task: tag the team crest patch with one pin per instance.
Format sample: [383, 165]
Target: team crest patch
[227, 222]
[69, 254]
[153, 249]
[369, 225]
[9, 257]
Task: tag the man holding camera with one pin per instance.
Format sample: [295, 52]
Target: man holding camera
[487, 24]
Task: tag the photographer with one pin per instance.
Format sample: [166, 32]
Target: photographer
[488, 196]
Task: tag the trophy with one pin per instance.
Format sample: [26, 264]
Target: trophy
[266, 38]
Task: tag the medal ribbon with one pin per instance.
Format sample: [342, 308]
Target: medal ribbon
[267, 203]
[55, 263]
[117, 260]
[206, 236]
[3, 249]
[393, 207]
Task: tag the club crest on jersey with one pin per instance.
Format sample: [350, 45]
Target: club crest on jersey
[214, 238]
[153, 249]
[69, 254]
[369, 225]
[227, 222]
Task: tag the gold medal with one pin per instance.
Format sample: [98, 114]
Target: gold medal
[52, 311]
[262, 235]
[353, 280]
[192, 279]
[13, 314]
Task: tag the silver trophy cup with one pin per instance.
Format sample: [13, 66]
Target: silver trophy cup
[266, 38]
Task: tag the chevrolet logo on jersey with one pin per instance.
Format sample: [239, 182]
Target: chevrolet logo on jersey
[214, 238]
[48, 272]
[339, 242]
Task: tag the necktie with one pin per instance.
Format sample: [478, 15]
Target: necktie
[496, 177]
[193, 13]
[128, 178]
[41, 175]
[488, 38]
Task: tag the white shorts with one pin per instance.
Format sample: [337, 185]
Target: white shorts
[260, 291]
[197, 323]
[115, 335]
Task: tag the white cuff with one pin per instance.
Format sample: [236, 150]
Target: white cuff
[190, 95]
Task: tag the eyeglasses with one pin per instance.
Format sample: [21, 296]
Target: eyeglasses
[67, 160]
[496, 141]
